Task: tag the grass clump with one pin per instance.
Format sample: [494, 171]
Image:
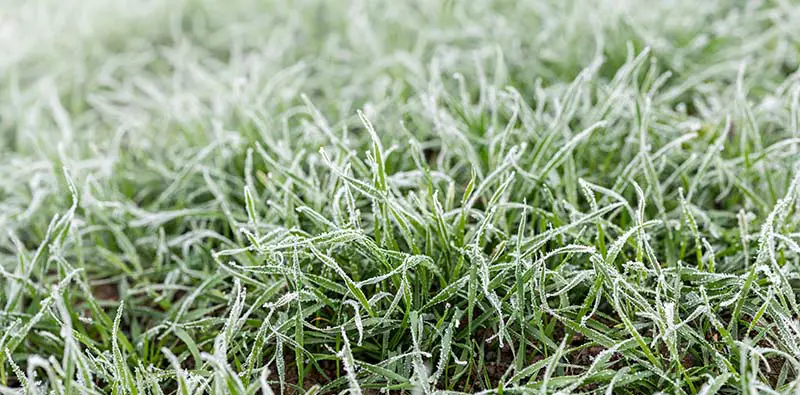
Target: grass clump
[279, 197]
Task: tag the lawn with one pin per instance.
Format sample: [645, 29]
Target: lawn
[404, 197]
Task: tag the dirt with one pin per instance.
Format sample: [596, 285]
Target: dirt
[586, 388]
[586, 356]
[687, 361]
[775, 365]
[312, 378]
[497, 361]
[106, 292]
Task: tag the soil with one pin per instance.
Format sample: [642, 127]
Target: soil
[312, 378]
[106, 292]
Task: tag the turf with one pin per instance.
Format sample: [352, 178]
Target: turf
[240, 196]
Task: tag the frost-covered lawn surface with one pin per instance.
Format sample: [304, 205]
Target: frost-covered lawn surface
[241, 196]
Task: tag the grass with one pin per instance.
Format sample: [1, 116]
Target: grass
[205, 196]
